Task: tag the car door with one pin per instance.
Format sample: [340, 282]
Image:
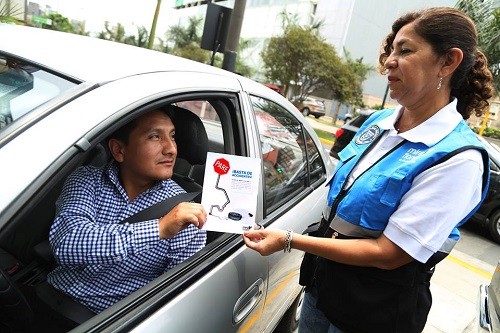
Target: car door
[295, 172]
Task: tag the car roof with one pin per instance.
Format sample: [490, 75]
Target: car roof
[89, 59]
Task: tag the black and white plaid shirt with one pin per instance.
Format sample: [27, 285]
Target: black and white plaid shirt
[100, 260]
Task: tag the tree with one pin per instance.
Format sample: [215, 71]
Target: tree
[140, 40]
[116, 34]
[9, 12]
[183, 36]
[486, 15]
[241, 66]
[186, 40]
[359, 72]
[59, 23]
[301, 56]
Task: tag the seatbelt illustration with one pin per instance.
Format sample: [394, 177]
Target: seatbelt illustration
[230, 192]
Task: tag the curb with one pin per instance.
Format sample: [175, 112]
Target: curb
[326, 142]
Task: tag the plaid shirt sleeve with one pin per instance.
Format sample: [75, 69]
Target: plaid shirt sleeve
[78, 238]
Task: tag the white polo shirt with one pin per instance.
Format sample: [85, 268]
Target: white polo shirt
[440, 197]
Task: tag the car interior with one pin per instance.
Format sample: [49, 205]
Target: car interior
[25, 255]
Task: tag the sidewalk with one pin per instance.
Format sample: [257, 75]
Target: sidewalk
[322, 123]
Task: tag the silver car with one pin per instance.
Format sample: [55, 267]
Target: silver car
[488, 304]
[61, 95]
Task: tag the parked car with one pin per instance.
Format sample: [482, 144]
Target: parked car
[488, 214]
[346, 117]
[488, 316]
[345, 134]
[58, 106]
[309, 105]
[273, 87]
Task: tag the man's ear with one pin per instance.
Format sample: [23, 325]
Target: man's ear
[116, 147]
[452, 60]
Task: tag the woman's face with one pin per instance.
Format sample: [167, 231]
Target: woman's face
[412, 69]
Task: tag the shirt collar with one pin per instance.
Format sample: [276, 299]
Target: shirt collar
[432, 130]
[112, 172]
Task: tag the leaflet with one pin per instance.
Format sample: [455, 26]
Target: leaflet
[230, 191]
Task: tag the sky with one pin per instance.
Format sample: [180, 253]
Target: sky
[130, 13]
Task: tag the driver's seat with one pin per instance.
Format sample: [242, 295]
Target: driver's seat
[192, 147]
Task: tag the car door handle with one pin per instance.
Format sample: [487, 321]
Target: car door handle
[247, 302]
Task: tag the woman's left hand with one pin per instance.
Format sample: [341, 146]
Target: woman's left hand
[265, 241]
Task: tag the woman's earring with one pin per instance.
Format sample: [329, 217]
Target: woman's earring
[440, 84]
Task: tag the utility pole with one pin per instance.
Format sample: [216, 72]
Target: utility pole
[233, 39]
[153, 25]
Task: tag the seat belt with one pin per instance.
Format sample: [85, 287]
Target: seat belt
[161, 208]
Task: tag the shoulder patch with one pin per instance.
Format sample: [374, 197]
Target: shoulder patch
[368, 135]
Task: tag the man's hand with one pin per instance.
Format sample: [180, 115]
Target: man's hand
[180, 217]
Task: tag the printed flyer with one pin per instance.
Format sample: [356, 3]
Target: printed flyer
[230, 190]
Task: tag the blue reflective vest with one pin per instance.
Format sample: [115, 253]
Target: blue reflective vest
[376, 194]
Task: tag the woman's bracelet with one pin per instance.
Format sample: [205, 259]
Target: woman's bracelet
[288, 240]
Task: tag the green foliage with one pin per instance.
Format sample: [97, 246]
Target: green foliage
[358, 73]
[59, 23]
[194, 52]
[183, 36]
[141, 40]
[486, 15]
[118, 34]
[184, 41]
[301, 55]
[8, 12]
[325, 135]
[489, 132]
[241, 66]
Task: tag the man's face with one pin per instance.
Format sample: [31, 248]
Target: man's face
[150, 153]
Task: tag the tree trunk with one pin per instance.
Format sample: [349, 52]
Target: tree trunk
[335, 113]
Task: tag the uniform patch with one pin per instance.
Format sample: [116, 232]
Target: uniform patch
[368, 135]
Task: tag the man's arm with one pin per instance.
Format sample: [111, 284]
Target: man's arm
[77, 238]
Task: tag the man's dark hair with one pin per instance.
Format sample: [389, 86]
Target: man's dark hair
[123, 133]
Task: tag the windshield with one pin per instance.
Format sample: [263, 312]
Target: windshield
[23, 87]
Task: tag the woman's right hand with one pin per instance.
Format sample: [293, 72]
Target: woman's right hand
[265, 241]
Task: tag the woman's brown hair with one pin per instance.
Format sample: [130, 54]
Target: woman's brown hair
[445, 28]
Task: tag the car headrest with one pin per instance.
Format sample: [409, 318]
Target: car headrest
[190, 135]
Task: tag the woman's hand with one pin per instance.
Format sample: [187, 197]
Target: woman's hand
[265, 241]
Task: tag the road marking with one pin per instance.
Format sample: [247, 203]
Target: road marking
[470, 267]
[325, 141]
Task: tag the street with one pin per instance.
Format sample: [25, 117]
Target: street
[456, 282]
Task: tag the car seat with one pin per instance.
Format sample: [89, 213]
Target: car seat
[192, 147]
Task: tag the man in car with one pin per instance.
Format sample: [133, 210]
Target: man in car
[101, 260]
